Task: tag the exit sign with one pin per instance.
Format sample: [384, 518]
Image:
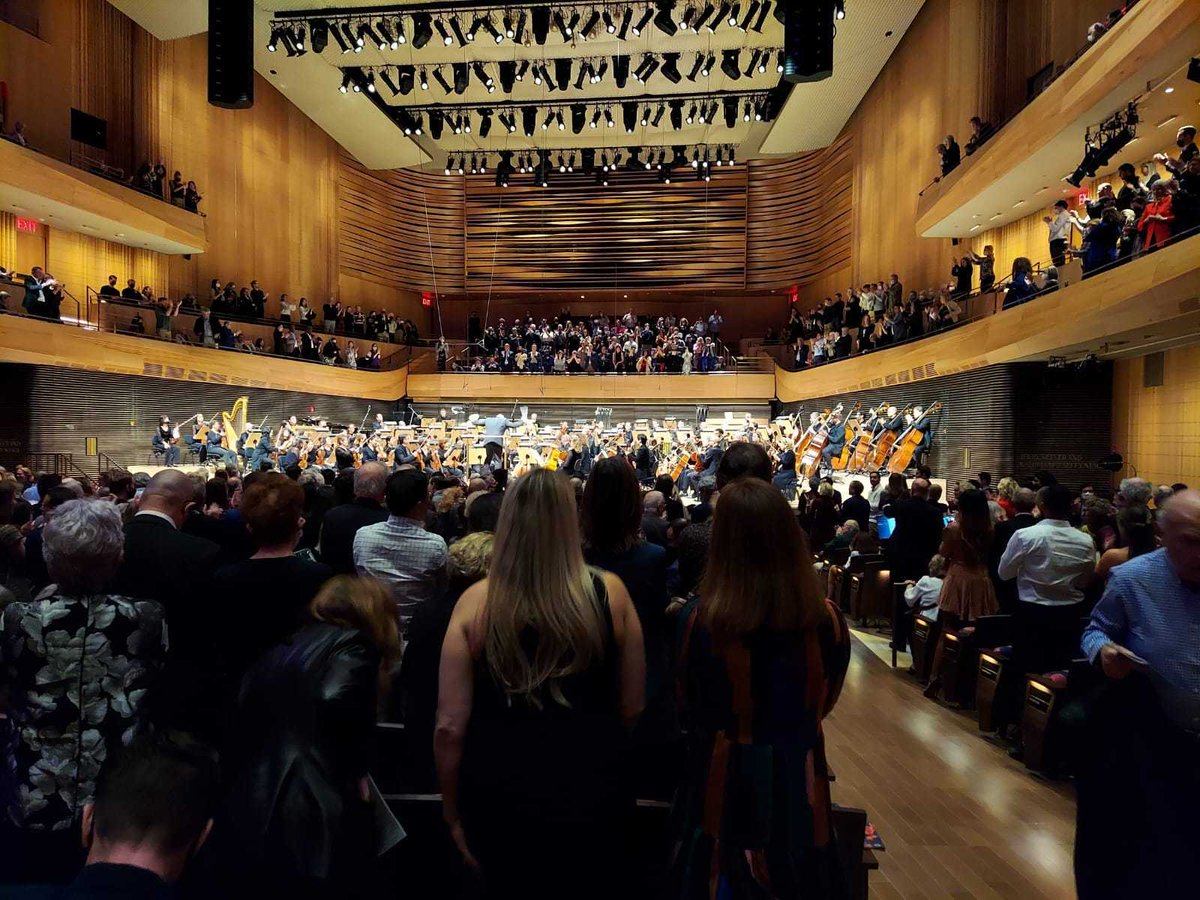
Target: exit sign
[29, 226]
[426, 298]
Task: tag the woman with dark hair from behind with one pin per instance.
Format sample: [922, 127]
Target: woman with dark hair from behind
[1020, 285]
[542, 672]
[297, 812]
[1135, 525]
[613, 541]
[762, 664]
[967, 592]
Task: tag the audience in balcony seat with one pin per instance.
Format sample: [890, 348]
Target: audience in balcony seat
[950, 153]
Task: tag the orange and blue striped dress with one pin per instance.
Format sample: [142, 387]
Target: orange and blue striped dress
[752, 816]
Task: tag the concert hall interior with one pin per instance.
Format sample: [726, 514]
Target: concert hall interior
[590, 448]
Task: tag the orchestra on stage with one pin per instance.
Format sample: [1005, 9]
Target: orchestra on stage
[857, 441]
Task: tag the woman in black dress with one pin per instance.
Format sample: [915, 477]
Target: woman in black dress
[542, 674]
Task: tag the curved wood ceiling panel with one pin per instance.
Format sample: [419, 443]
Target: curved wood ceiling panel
[578, 235]
[800, 216]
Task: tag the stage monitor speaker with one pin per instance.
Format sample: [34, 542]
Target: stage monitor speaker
[808, 40]
[231, 53]
[1194, 69]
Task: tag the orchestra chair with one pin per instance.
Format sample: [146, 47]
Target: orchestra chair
[925, 635]
[156, 457]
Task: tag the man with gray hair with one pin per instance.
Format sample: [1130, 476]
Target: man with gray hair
[341, 523]
[1134, 492]
[654, 522]
[1132, 829]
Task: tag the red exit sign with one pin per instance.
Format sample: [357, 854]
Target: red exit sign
[30, 226]
[426, 298]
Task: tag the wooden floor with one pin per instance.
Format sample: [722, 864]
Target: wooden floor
[957, 816]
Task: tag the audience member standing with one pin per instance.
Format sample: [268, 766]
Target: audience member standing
[399, 551]
[542, 667]
[75, 664]
[762, 664]
[1140, 787]
[916, 535]
[1059, 232]
[1023, 502]
[342, 523]
[967, 591]
[297, 817]
[857, 507]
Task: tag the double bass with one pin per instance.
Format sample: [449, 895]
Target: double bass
[862, 444]
[906, 445]
[884, 443]
[853, 428]
[808, 465]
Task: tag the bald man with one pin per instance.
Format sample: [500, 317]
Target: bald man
[654, 521]
[1140, 787]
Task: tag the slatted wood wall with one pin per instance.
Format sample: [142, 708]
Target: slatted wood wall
[578, 235]
[800, 217]
[1007, 420]
[54, 410]
[400, 227]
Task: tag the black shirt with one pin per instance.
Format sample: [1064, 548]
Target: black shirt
[264, 600]
[109, 291]
[131, 294]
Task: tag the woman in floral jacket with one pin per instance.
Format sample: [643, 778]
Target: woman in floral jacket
[75, 665]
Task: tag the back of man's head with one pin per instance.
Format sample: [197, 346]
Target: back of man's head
[46, 481]
[483, 511]
[153, 806]
[1024, 500]
[855, 488]
[920, 489]
[370, 481]
[1055, 501]
[743, 460]
[654, 503]
[406, 490]
[169, 492]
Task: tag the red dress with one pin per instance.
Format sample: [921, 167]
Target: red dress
[1153, 231]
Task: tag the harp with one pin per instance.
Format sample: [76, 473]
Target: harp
[234, 422]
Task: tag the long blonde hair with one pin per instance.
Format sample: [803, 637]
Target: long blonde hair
[538, 580]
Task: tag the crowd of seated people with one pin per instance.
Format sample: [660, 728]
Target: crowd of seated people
[597, 344]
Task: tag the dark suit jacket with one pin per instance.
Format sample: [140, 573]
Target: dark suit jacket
[339, 528]
[166, 565]
[655, 529]
[100, 880]
[1006, 591]
[916, 538]
[858, 509]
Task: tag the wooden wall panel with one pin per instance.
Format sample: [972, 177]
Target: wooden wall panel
[598, 388]
[578, 235]
[8, 241]
[79, 261]
[1157, 429]
[52, 410]
[402, 229]
[800, 217]
[104, 82]
[39, 77]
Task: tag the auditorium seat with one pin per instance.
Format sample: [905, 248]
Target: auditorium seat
[925, 634]
[870, 591]
[1052, 718]
[960, 659]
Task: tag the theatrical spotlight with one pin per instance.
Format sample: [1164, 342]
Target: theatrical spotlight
[462, 77]
[342, 43]
[641, 22]
[658, 114]
[562, 73]
[625, 18]
[696, 67]
[729, 64]
[762, 17]
[703, 18]
[541, 24]
[670, 67]
[508, 74]
[593, 20]
[442, 32]
[422, 30]
[645, 120]
[721, 17]
[504, 168]
[578, 116]
[677, 114]
[436, 121]
[519, 31]
[620, 67]
[629, 116]
[663, 20]
[482, 74]
[751, 12]
[456, 27]
[729, 105]
[485, 122]
[648, 69]
[441, 80]
[582, 76]
[561, 25]
[320, 35]
[709, 62]
[386, 78]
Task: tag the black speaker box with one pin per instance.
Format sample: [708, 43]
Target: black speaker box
[231, 53]
[808, 40]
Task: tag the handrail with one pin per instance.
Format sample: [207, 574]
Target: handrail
[78, 321]
[997, 288]
[1058, 73]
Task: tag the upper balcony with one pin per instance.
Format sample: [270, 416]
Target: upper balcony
[36, 186]
[1148, 304]
[1022, 166]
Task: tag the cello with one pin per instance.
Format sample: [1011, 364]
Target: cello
[808, 465]
[884, 443]
[862, 444]
[840, 461]
[906, 445]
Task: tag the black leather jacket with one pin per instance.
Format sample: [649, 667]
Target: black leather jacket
[305, 723]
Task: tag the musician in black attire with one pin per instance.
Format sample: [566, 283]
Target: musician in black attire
[785, 473]
[836, 442]
[164, 442]
[643, 461]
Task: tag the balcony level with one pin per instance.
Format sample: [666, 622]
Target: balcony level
[1021, 169]
[36, 186]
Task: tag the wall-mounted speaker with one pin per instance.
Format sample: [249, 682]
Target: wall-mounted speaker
[808, 41]
[231, 53]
